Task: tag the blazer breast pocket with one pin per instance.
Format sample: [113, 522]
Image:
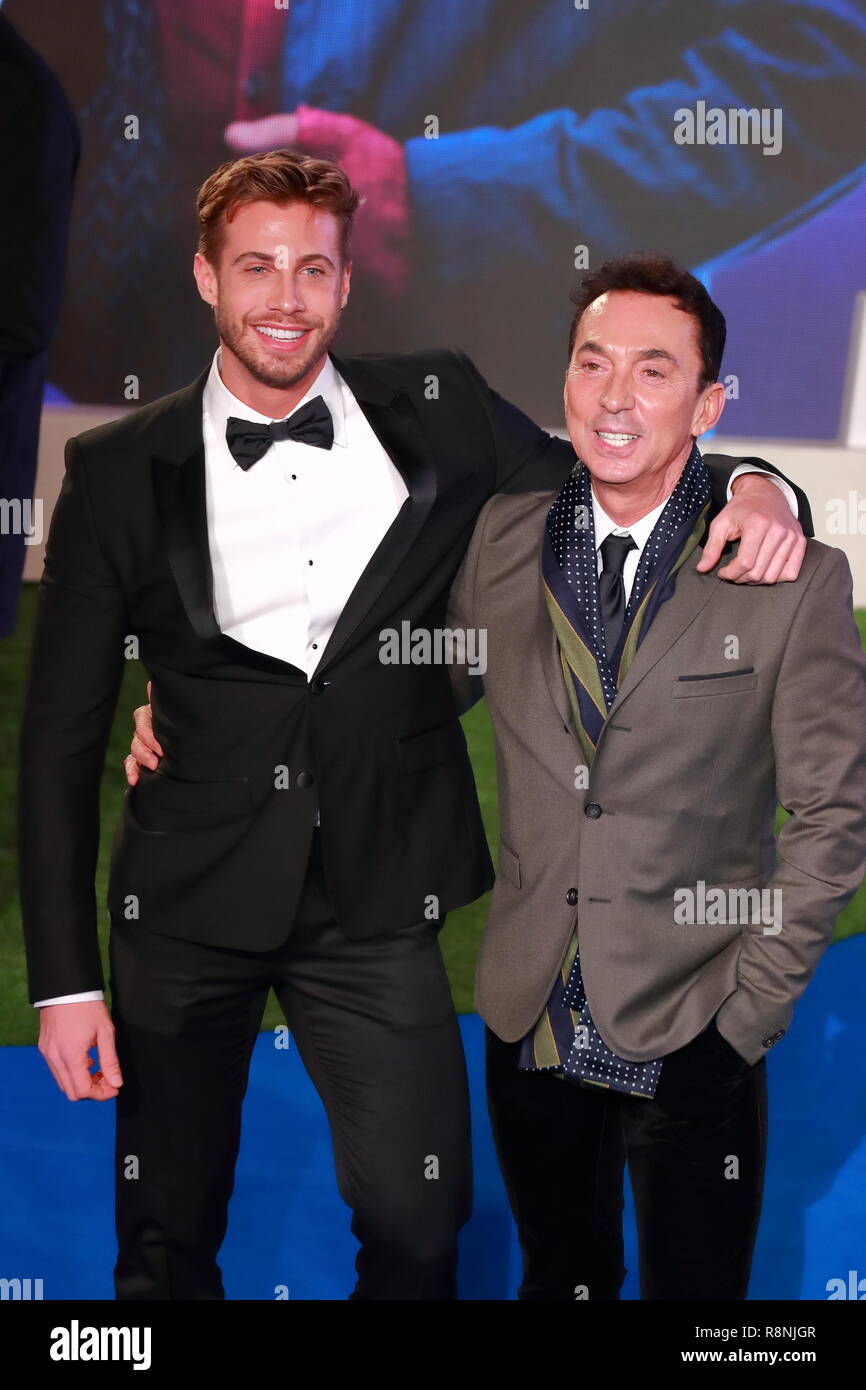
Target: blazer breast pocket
[431, 746]
[736, 682]
[159, 804]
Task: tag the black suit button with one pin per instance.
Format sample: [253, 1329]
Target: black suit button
[304, 779]
[571, 897]
[593, 810]
[317, 685]
[780, 1034]
[767, 1042]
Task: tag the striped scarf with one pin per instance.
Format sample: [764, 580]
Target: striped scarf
[565, 1039]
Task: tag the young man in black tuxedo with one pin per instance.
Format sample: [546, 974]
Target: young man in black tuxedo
[314, 814]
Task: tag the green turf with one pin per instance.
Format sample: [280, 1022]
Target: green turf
[460, 935]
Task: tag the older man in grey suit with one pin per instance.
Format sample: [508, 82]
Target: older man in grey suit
[648, 937]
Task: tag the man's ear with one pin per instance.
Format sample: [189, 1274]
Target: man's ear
[205, 279]
[708, 410]
[345, 284]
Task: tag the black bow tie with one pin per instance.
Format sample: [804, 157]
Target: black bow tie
[248, 440]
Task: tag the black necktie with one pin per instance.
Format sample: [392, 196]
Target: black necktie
[611, 589]
[248, 440]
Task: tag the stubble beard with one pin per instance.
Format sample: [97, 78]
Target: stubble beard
[275, 374]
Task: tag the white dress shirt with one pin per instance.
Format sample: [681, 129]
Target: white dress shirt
[639, 531]
[299, 504]
[291, 536]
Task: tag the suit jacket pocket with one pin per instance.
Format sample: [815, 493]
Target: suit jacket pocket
[725, 1049]
[509, 864]
[158, 803]
[715, 683]
[431, 746]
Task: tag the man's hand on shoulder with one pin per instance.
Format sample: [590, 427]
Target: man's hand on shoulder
[772, 544]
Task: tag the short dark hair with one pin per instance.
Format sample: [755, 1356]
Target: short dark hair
[649, 273]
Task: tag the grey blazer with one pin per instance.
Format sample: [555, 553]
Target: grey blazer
[738, 697]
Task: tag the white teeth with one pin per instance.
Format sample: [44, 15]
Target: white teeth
[617, 440]
[284, 335]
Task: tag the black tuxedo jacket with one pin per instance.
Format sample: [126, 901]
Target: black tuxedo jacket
[213, 846]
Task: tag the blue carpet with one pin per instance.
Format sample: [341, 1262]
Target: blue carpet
[288, 1226]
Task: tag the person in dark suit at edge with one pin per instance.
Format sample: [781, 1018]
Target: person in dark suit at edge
[39, 153]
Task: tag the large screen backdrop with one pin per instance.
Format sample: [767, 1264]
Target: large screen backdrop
[501, 147]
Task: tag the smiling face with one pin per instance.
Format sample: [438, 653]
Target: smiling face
[278, 290]
[633, 404]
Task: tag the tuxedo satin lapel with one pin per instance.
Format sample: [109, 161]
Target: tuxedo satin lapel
[178, 469]
[692, 593]
[178, 472]
[182, 501]
[181, 498]
[394, 419]
[179, 482]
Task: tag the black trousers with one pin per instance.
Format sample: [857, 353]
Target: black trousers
[375, 1027]
[696, 1155]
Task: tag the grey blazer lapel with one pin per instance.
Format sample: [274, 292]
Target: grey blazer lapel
[548, 647]
[691, 595]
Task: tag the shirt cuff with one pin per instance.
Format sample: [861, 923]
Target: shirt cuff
[71, 998]
[790, 494]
